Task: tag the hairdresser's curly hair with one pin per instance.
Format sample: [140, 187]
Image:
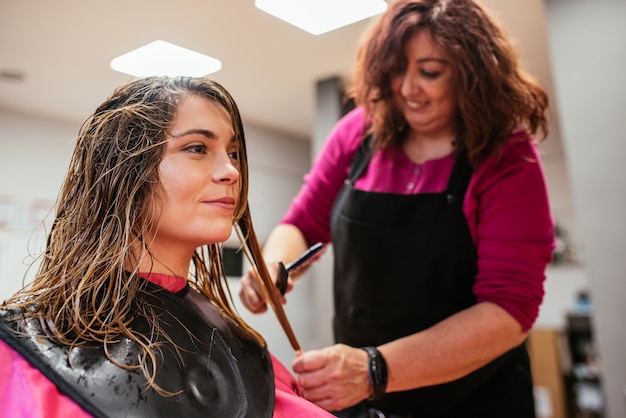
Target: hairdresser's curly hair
[494, 95]
[84, 289]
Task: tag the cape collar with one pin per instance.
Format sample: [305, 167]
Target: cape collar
[172, 283]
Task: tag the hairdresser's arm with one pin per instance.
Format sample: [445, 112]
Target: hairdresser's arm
[285, 243]
[336, 377]
[452, 348]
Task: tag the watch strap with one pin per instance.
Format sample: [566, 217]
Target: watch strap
[377, 372]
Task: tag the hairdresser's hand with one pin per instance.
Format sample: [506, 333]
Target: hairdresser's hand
[334, 377]
[250, 291]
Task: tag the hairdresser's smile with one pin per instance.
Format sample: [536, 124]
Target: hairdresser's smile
[414, 105]
[199, 178]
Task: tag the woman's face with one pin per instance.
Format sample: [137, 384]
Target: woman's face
[423, 91]
[199, 179]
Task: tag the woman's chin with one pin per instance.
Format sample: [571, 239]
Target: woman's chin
[217, 237]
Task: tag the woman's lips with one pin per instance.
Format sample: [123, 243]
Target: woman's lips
[223, 202]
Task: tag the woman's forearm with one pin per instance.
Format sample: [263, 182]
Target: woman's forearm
[285, 243]
[452, 348]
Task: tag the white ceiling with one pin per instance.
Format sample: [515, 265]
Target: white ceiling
[64, 47]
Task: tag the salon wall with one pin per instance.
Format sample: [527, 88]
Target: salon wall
[588, 49]
[34, 154]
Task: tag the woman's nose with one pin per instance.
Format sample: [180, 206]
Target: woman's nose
[410, 84]
[226, 171]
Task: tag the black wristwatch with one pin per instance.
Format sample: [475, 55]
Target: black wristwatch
[378, 372]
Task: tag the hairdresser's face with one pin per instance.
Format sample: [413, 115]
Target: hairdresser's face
[423, 91]
[199, 178]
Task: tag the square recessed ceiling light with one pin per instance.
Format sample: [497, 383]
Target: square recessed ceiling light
[164, 58]
[320, 16]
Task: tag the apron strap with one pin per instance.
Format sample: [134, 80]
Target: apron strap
[362, 159]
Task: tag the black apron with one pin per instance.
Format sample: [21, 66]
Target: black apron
[404, 263]
[212, 367]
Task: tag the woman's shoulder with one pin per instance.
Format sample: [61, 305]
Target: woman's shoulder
[344, 140]
[520, 144]
[354, 118]
[519, 148]
[517, 158]
[350, 129]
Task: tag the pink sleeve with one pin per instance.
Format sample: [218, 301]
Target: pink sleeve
[310, 209]
[289, 403]
[26, 393]
[509, 217]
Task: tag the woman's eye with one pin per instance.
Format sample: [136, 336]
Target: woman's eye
[234, 155]
[197, 148]
[430, 74]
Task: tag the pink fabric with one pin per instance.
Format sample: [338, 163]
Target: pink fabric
[172, 283]
[289, 402]
[506, 207]
[26, 393]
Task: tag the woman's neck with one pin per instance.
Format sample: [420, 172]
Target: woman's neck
[170, 263]
[420, 148]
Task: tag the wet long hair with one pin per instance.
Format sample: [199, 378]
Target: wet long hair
[82, 289]
[494, 94]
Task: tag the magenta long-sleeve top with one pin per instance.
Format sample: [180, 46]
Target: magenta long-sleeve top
[506, 206]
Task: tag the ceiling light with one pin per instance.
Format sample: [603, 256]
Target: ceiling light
[320, 16]
[164, 58]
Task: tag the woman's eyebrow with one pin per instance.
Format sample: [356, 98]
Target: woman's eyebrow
[430, 59]
[206, 132]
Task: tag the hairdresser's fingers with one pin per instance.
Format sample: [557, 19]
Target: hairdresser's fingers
[251, 295]
[273, 270]
[290, 284]
[333, 377]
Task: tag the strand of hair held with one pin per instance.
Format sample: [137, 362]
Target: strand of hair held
[267, 286]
